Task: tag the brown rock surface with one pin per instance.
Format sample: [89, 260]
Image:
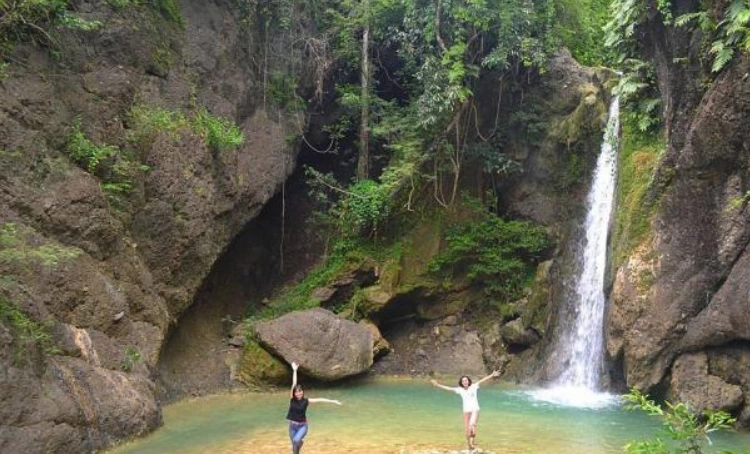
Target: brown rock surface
[692, 385]
[326, 346]
[698, 293]
[109, 277]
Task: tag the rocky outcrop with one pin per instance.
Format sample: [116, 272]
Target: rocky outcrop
[685, 290]
[692, 384]
[109, 272]
[326, 346]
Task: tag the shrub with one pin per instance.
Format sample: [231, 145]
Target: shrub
[679, 424]
[219, 133]
[500, 254]
[84, 152]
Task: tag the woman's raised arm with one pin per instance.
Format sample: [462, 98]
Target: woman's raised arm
[438, 385]
[495, 373]
[295, 366]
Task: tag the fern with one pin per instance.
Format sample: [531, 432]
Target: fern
[730, 36]
[723, 55]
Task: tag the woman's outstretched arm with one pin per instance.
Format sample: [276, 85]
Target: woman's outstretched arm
[324, 400]
[438, 385]
[495, 373]
[295, 366]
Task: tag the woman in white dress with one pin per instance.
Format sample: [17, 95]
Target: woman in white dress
[469, 396]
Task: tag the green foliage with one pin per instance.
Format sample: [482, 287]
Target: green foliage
[131, 358]
[353, 211]
[690, 431]
[639, 156]
[19, 247]
[84, 152]
[730, 36]
[283, 90]
[500, 254]
[219, 133]
[297, 297]
[146, 122]
[35, 21]
[738, 202]
[170, 9]
[579, 26]
[27, 333]
[117, 168]
[637, 93]
[637, 86]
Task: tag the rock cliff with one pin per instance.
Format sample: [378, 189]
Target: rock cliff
[104, 265]
[680, 300]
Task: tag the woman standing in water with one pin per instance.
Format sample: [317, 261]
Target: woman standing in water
[469, 396]
[297, 414]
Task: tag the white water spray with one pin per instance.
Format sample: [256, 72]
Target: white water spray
[578, 384]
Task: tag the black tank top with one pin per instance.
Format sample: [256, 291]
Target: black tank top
[297, 410]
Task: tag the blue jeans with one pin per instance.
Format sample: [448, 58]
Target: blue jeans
[297, 431]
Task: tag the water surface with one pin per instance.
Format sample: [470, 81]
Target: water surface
[404, 416]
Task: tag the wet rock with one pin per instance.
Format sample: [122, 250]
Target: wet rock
[515, 333]
[326, 346]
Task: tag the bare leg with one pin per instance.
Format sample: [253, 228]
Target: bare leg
[473, 420]
[467, 430]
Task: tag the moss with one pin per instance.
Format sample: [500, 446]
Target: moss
[257, 366]
[146, 122]
[586, 118]
[19, 247]
[27, 333]
[421, 247]
[639, 155]
[534, 314]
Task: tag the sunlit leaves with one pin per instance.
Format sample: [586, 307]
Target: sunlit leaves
[682, 425]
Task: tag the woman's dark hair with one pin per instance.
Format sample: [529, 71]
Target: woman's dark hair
[462, 379]
[296, 388]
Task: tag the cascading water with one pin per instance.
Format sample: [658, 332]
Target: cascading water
[577, 385]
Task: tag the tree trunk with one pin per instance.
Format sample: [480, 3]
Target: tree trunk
[363, 165]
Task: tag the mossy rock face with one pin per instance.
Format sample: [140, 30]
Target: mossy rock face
[375, 299]
[450, 304]
[257, 366]
[535, 313]
[423, 246]
[589, 116]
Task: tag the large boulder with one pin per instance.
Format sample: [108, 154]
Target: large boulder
[326, 346]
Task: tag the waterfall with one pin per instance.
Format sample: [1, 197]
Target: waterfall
[578, 383]
[586, 336]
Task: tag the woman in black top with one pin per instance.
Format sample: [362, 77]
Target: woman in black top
[297, 414]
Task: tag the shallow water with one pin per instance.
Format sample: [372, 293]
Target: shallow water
[399, 416]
